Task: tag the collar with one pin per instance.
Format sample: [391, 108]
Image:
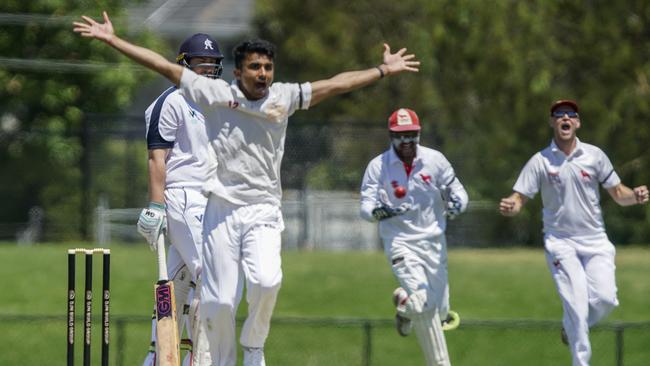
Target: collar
[394, 159]
[556, 150]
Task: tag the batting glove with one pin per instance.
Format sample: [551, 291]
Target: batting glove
[152, 221]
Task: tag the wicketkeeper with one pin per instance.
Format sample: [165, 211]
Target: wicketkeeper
[412, 190]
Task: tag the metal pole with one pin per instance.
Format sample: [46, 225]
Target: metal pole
[619, 344]
[367, 348]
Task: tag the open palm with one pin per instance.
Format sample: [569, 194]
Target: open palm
[92, 29]
[398, 61]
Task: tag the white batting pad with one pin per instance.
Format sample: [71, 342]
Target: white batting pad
[432, 341]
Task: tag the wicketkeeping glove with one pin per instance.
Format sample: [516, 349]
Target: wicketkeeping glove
[384, 212]
[152, 221]
[453, 204]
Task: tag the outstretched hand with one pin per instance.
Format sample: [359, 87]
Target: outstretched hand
[398, 61]
[91, 29]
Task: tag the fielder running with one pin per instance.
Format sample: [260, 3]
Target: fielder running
[412, 190]
[246, 125]
[178, 166]
[578, 251]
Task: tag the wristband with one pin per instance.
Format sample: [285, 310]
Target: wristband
[381, 72]
[160, 206]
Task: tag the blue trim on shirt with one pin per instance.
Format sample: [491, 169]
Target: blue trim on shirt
[154, 139]
[607, 177]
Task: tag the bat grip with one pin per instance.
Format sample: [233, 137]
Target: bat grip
[162, 259]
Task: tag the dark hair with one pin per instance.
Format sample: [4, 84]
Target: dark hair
[252, 46]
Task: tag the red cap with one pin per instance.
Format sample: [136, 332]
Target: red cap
[561, 102]
[403, 119]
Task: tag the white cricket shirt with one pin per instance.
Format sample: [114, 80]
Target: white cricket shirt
[425, 219]
[569, 187]
[247, 137]
[177, 124]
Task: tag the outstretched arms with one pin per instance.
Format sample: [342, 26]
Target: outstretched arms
[393, 63]
[104, 32]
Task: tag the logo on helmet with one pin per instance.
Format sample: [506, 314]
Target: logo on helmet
[208, 44]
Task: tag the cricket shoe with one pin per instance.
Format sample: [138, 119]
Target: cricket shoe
[452, 321]
[402, 323]
[254, 356]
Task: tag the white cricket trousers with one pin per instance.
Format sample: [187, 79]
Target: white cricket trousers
[583, 269]
[241, 243]
[185, 209]
[421, 269]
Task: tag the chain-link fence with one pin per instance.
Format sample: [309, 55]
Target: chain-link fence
[349, 341]
[323, 165]
[321, 175]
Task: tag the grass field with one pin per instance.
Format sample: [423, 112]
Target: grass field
[506, 284]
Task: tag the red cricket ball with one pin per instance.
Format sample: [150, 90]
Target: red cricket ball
[399, 192]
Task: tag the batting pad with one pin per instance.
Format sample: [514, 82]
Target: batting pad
[432, 341]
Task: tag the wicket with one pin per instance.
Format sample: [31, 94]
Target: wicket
[88, 297]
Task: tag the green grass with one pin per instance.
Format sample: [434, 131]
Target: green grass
[485, 285]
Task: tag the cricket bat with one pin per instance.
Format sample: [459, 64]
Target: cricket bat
[167, 342]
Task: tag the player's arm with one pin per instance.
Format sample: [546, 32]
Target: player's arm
[369, 193]
[393, 63]
[511, 205]
[153, 219]
[626, 196]
[157, 175]
[147, 58]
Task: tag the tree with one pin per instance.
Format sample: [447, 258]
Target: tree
[53, 80]
[490, 70]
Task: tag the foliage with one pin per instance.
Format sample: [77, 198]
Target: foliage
[43, 109]
[489, 72]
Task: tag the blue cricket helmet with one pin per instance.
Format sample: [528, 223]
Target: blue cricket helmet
[201, 45]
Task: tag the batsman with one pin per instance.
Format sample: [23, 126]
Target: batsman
[412, 190]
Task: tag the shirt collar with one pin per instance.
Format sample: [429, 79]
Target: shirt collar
[576, 151]
[394, 159]
[240, 94]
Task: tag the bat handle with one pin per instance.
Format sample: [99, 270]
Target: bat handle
[162, 259]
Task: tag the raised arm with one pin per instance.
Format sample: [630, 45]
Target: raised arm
[511, 205]
[146, 57]
[393, 63]
[625, 196]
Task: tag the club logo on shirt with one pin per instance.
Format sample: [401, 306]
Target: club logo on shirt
[585, 176]
[557, 264]
[554, 177]
[426, 178]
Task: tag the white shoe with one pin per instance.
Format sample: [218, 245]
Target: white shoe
[402, 323]
[254, 356]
